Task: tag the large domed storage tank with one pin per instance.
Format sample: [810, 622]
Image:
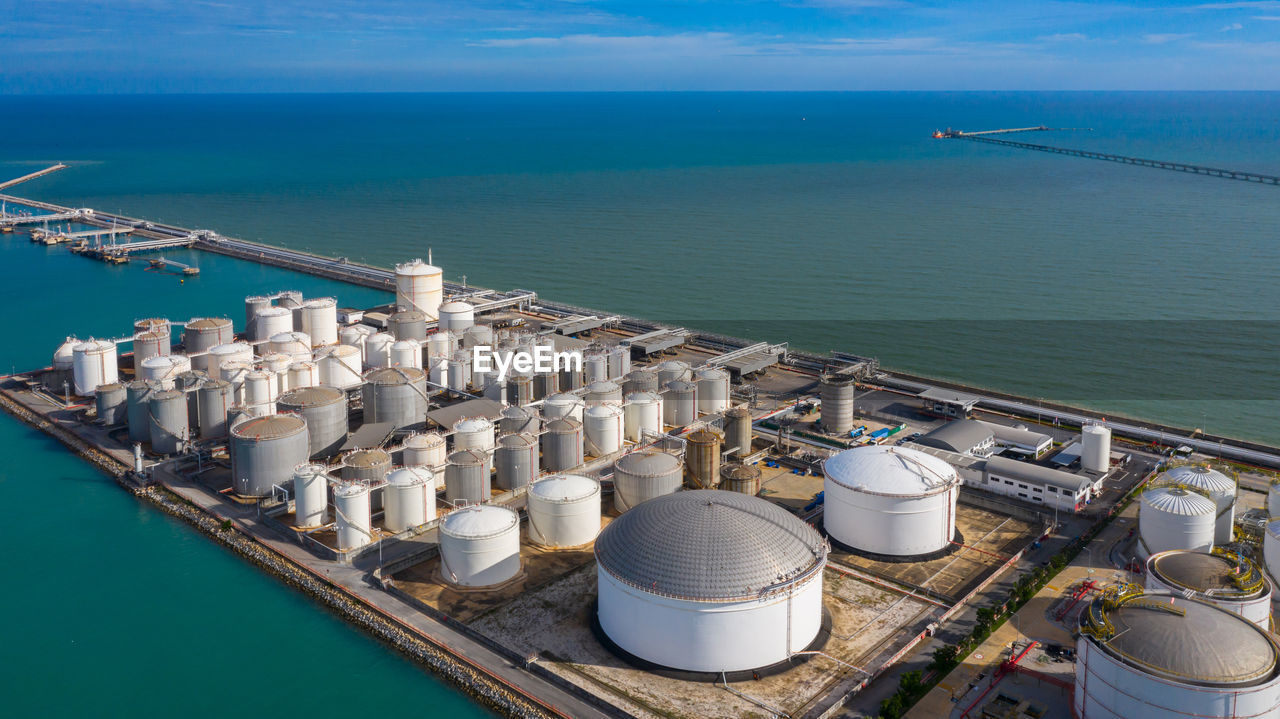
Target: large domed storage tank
[480, 546]
[410, 498]
[93, 364]
[1218, 486]
[890, 501]
[310, 495]
[457, 316]
[564, 510]
[645, 474]
[1223, 579]
[1175, 518]
[264, 451]
[420, 287]
[1163, 657]
[710, 581]
[325, 410]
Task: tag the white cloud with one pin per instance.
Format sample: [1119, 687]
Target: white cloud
[1231, 27]
[1065, 37]
[1247, 5]
[1160, 38]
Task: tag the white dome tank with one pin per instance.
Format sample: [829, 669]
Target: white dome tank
[1095, 454]
[340, 366]
[1220, 488]
[93, 364]
[457, 316]
[351, 507]
[473, 433]
[643, 411]
[441, 344]
[1175, 518]
[1223, 579]
[377, 350]
[710, 581]
[619, 362]
[303, 374]
[296, 345]
[260, 392]
[602, 429]
[355, 336]
[562, 405]
[424, 450]
[164, 369]
[1271, 550]
[595, 367]
[311, 495]
[890, 500]
[480, 546]
[410, 498]
[1156, 656]
[64, 356]
[235, 372]
[320, 321]
[459, 371]
[228, 352]
[420, 287]
[564, 510]
[673, 370]
[406, 353]
[270, 322]
[713, 390]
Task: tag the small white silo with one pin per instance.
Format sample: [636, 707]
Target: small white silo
[1175, 517]
[602, 429]
[643, 411]
[564, 510]
[351, 506]
[311, 495]
[94, 363]
[410, 498]
[480, 546]
[1095, 454]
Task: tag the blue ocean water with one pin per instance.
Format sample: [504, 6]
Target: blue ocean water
[828, 220]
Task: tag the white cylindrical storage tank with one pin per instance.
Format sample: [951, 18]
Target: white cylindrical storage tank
[227, 352]
[410, 498]
[1225, 580]
[377, 350]
[235, 373]
[480, 546]
[562, 405]
[602, 429]
[355, 336]
[203, 334]
[253, 305]
[1175, 518]
[277, 363]
[320, 321]
[164, 369]
[564, 511]
[395, 394]
[351, 507]
[1271, 550]
[459, 371]
[891, 501]
[603, 392]
[94, 363]
[477, 335]
[673, 370]
[663, 599]
[595, 366]
[619, 362]
[405, 353]
[420, 287]
[643, 411]
[837, 392]
[680, 403]
[473, 433]
[270, 322]
[713, 390]
[1136, 659]
[457, 316]
[441, 344]
[311, 495]
[260, 392]
[64, 356]
[1095, 452]
[340, 366]
[150, 344]
[643, 475]
[424, 450]
[297, 345]
[325, 411]
[303, 374]
[1218, 486]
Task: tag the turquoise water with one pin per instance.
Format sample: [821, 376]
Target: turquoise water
[832, 221]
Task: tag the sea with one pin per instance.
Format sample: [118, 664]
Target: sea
[829, 221]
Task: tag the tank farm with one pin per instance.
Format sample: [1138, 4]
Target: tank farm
[668, 522]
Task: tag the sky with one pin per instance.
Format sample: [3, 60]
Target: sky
[155, 46]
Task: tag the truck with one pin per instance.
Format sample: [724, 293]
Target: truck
[856, 433]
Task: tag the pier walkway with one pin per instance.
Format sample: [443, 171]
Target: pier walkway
[39, 173]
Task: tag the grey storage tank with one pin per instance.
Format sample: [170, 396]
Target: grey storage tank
[603, 392]
[702, 459]
[264, 451]
[516, 460]
[466, 477]
[202, 334]
[215, 399]
[680, 403]
[520, 390]
[138, 410]
[369, 467]
[112, 403]
[395, 394]
[408, 325]
[325, 410]
[545, 385]
[741, 478]
[252, 306]
[169, 429]
[640, 380]
[836, 392]
[562, 445]
[519, 419]
[643, 475]
[737, 431]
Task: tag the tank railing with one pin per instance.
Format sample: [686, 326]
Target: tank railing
[1165, 483]
[724, 682]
